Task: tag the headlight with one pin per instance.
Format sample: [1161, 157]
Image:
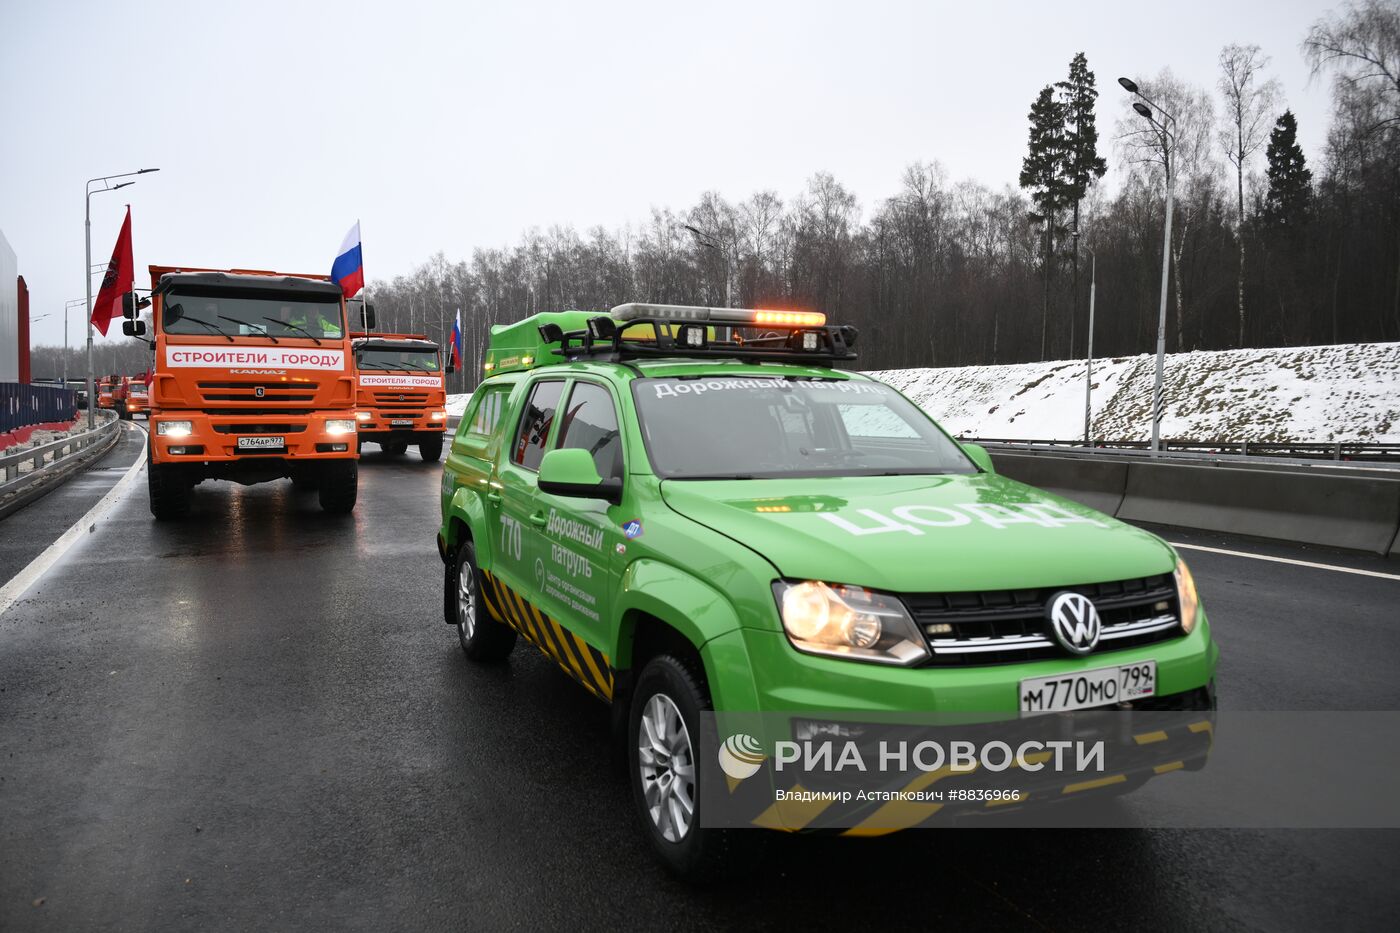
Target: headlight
[340, 426]
[438, 416]
[1186, 595]
[174, 428]
[848, 622]
[363, 415]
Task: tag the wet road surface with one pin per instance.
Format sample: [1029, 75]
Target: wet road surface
[257, 719]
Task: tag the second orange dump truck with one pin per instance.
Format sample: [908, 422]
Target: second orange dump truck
[253, 381]
[401, 398]
[138, 400]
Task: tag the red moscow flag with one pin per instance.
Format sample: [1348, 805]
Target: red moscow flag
[118, 281]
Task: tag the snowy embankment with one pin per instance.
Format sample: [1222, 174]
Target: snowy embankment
[1349, 392]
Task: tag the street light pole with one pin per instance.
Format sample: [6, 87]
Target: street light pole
[1168, 147]
[1089, 359]
[709, 240]
[67, 307]
[89, 191]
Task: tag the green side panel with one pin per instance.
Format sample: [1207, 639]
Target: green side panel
[513, 344]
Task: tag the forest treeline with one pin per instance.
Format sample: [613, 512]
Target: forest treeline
[1269, 248]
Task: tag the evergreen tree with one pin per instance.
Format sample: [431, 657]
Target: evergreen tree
[1083, 164]
[1043, 174]
[1290, 181]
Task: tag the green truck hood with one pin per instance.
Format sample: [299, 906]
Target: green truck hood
[921, 534]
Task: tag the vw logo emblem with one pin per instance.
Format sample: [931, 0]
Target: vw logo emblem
[1074, 622]
[258, 391]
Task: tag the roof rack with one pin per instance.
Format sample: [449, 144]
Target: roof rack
[634, 330]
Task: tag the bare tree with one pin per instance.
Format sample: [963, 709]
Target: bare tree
[1249, 112]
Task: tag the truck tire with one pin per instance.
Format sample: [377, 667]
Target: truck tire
[431, 450]
[666, 772]
[169, 491]
[483, 638]
[339, 486]
[395, 448]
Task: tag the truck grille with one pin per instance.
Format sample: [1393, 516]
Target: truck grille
[1009, 626]
[401, 399]
[261, 428]
[248, 392]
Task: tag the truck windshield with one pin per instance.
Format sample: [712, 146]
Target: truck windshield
[425, 361]
[726, 427]
[138, 390]
[268, 314]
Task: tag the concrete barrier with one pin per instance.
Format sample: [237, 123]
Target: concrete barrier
[1099, 484]
[1287, 503]
[1338, 511]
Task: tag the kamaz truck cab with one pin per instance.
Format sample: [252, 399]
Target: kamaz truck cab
[137, 398]
[400, 395]
[253, 381]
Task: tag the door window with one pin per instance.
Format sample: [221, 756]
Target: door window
[590, 423]
[535, 424]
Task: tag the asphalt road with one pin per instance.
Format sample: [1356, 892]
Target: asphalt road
[257, 719]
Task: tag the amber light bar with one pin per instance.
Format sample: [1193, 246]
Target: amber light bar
[638, 311]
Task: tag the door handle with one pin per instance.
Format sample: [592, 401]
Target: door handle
[539, 518]
[493, 497]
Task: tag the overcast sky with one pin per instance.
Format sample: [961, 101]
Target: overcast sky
[456, 125]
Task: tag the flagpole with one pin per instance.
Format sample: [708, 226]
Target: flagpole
[364, 282]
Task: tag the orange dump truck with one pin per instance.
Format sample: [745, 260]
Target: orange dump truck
[106, 391]
[253, 381]
[401, 398]
[138, 399]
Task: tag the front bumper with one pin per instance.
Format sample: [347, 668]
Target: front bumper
[376, 423]
[214, 438]
[777, 677]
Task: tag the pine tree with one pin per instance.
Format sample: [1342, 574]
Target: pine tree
[1290, 180]
[1043, 174]
[1083, 164]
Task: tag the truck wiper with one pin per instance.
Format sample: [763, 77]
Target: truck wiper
[290, 326]
[214, 327]
[238, 320]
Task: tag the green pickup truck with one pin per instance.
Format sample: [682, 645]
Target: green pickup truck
[693, 509]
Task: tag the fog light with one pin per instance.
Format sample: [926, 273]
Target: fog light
[338, 448]
[363, 415]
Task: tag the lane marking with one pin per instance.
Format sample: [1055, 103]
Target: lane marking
[22, 581]
[1288, 560]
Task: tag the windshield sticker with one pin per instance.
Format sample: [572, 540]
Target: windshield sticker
[272, 357]
[913, 519]
[632, 529]
[843, 386]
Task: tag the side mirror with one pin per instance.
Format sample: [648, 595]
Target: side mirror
[134, 328]
[573, 473]
[451, 367]
[369, 316]
[978, 454]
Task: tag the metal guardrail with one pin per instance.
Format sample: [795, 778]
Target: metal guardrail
[12, 472]
[1358, 454]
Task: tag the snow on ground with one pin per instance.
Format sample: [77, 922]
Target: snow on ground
[1349, 392]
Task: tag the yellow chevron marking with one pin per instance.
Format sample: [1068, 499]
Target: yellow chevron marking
[895, 815]
[1097, 782]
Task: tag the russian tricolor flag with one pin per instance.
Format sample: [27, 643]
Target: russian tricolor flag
[348, 270]
[457, 341]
